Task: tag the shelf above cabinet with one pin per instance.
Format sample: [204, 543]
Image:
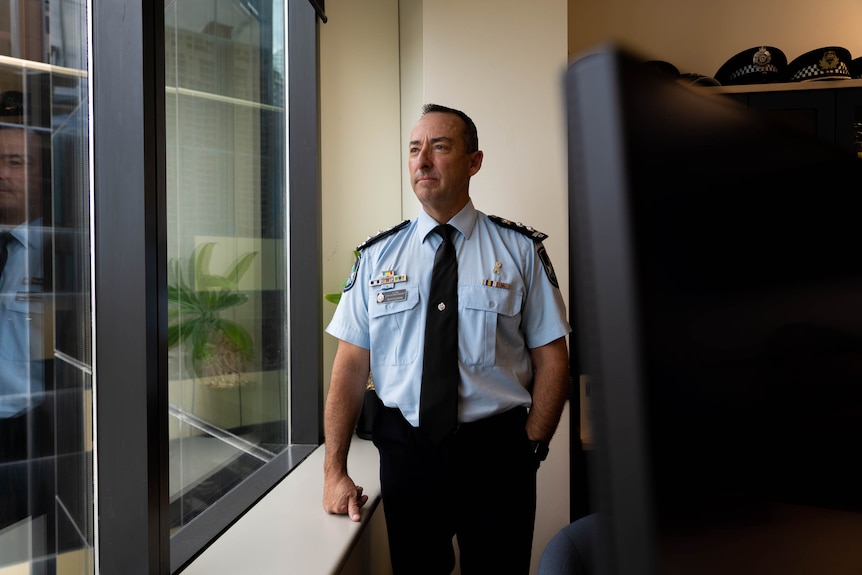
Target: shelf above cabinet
[786, 86]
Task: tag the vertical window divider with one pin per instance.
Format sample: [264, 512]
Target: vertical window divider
[128, 180]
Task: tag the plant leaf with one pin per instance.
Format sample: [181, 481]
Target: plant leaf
[174, 332]
[199, 263]
[181, 331]
[210, 281]
[200, 335]
[238, 336]
[240, 267]
[225, 300]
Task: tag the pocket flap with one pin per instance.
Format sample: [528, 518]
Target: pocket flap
[486, 298]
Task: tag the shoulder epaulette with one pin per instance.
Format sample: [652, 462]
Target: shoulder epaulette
[380, 235]
[528, 231]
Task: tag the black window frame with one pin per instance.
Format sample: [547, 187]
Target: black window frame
[130, 287]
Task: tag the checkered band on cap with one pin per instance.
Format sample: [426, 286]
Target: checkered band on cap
[815, 71]
[754, 69]
[757, 65]
[831, 62]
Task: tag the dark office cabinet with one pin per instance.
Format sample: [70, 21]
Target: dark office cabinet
[830, 110]
[812, 111]
[848, 109]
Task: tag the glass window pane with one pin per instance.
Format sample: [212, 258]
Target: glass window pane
[46, 463]
[226, 245]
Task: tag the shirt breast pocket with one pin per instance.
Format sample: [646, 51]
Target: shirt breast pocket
[394, 324]
[21, 332]
[485, 311]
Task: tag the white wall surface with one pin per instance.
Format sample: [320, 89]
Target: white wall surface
[501, 61]
[699, 37]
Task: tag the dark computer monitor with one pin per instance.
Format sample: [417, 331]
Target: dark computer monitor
[717, 273]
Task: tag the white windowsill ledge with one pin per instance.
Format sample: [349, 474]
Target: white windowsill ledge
[288, 531]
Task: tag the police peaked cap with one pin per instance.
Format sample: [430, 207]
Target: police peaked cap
[12, 107]
[758, 65]
[829, 63]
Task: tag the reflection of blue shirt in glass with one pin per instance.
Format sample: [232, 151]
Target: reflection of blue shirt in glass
[507, 303]
[21, 328]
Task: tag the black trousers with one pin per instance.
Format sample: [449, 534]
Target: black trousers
[27, 467]
[479, 486]
[14, 494]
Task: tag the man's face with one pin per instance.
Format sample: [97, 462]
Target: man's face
[20, 174]
[440, 167]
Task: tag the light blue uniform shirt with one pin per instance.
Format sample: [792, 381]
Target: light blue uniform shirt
[497, 323]
[21, 335]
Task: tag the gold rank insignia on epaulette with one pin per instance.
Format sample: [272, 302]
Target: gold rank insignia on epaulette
[528, 231]
[380, 235]
[538, 237]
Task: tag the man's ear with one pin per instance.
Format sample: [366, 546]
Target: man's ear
[476, 162]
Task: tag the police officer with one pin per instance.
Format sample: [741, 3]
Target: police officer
[479, 482]
[22, 335]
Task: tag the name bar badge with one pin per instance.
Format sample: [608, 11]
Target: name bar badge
[390, 296]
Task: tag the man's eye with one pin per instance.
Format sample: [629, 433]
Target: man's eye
[14, 162]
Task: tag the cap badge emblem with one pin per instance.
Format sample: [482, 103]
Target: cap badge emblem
[762, 57]
[829, 61]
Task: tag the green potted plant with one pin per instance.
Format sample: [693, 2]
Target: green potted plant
[220, 347]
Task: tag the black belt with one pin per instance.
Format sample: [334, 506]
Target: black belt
[511, 421]
[506, 420]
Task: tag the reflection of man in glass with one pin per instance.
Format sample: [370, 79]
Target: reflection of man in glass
[21, 285]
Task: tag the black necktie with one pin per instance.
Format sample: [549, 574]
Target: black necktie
[438, 402]
[5, 238]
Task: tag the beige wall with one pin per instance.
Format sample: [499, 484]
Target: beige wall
[699, 37]
[360, 121]
[501, 61]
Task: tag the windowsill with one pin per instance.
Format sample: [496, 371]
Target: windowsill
[288, 531]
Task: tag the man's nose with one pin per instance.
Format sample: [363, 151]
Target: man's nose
[423, 157]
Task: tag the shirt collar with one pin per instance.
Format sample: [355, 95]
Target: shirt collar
[464, 221]
[28, 234]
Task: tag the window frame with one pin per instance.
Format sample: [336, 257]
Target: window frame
[130, 289]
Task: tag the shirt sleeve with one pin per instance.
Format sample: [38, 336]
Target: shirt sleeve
[350, 321]
[544, 315]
